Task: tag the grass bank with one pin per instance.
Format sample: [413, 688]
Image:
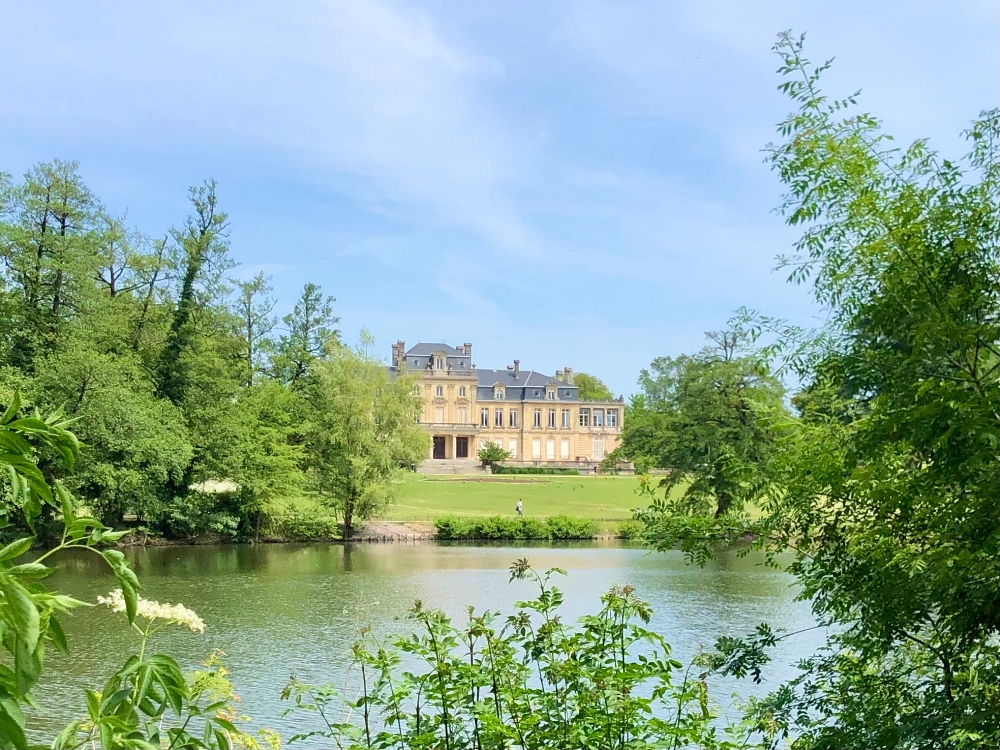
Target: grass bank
[603, 500]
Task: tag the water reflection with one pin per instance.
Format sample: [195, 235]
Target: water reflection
[282, 609]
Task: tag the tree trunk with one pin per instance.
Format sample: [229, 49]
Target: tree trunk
[348, 518]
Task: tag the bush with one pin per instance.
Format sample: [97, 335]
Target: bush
[564, 527]
[294, 523]
[502, 527]
[501, 469]
[631, 529]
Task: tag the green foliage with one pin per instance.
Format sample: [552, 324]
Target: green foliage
[503, 527]
[291, 522]
[549, 470]
[363, 428]
[710, 420]
[492, 455]
[887, 486]
[591, 388]
[631, 530]
[528, 680]
[309, 334]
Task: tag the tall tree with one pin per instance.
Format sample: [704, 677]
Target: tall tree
[592, 388]
[309, 331]
[888, 487]
[204, 246]
[710, 420]
[47, 244]
[364, 428]
[254, 305]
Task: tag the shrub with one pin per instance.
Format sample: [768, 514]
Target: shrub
[631, 529]
[502, 527]
[293, 523]
[551, 470]
[564, 527]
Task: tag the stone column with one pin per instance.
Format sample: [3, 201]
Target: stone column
[454, 446]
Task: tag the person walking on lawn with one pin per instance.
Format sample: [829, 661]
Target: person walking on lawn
[519, 508]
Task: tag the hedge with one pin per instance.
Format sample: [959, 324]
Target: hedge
[504, 527]
[501, 469]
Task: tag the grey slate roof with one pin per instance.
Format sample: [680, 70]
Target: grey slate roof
[527, 386]
[424, 350]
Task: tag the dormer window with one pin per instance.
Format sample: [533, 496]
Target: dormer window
[439, 363]
[498, 392]
[550, 394]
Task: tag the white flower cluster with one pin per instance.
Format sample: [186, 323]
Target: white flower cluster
[176, 613]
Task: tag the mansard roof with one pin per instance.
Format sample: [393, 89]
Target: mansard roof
[423, 350]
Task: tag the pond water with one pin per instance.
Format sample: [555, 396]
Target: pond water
[278, 610]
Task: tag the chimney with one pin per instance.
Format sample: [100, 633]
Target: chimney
[398, 350]
[517, 367]
[467, 349]
[569, 375]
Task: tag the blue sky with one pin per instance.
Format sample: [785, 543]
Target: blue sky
[567, 183]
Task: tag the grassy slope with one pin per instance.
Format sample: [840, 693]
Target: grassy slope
[424, 498]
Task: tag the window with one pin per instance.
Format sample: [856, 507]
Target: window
[463, 415]
[440, 363]
[552, 417]
[512, 447]
[439, 391]
[612, 417]
[416, 362]
[416, 390]
[461, 391]
[484, 418]
[585, 417]
[535, 394]
[536, 448]
[513, 418]
[538, 418]
[498, 393]
[598, 417]
[550, 395]
[499, 442]
[550, 449]
[598, 449]
[565, 418]
[498, 418]
[439, 414]
[564, 449]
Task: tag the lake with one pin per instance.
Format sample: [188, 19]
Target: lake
[278, 610]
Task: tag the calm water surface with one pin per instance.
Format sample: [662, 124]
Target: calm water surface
[278, 610]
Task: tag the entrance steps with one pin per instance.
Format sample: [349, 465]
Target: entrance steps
[450, 466]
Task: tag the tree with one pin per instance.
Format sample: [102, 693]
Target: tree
[363, 429]
[591, 388]
[47, 244]
[254, 305]
[887, 488]
[709, 419]
[204, 248]
[309, 333]
[491, 454]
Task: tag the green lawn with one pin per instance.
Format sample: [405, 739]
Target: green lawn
[425, 498]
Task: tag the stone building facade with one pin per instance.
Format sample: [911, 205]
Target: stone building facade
[538, 419]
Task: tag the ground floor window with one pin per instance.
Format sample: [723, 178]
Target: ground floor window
[550, 449]
[536, 448]
[564, 449]
[462, 447]
[598, 448]
[439, 446]
[512, 447]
